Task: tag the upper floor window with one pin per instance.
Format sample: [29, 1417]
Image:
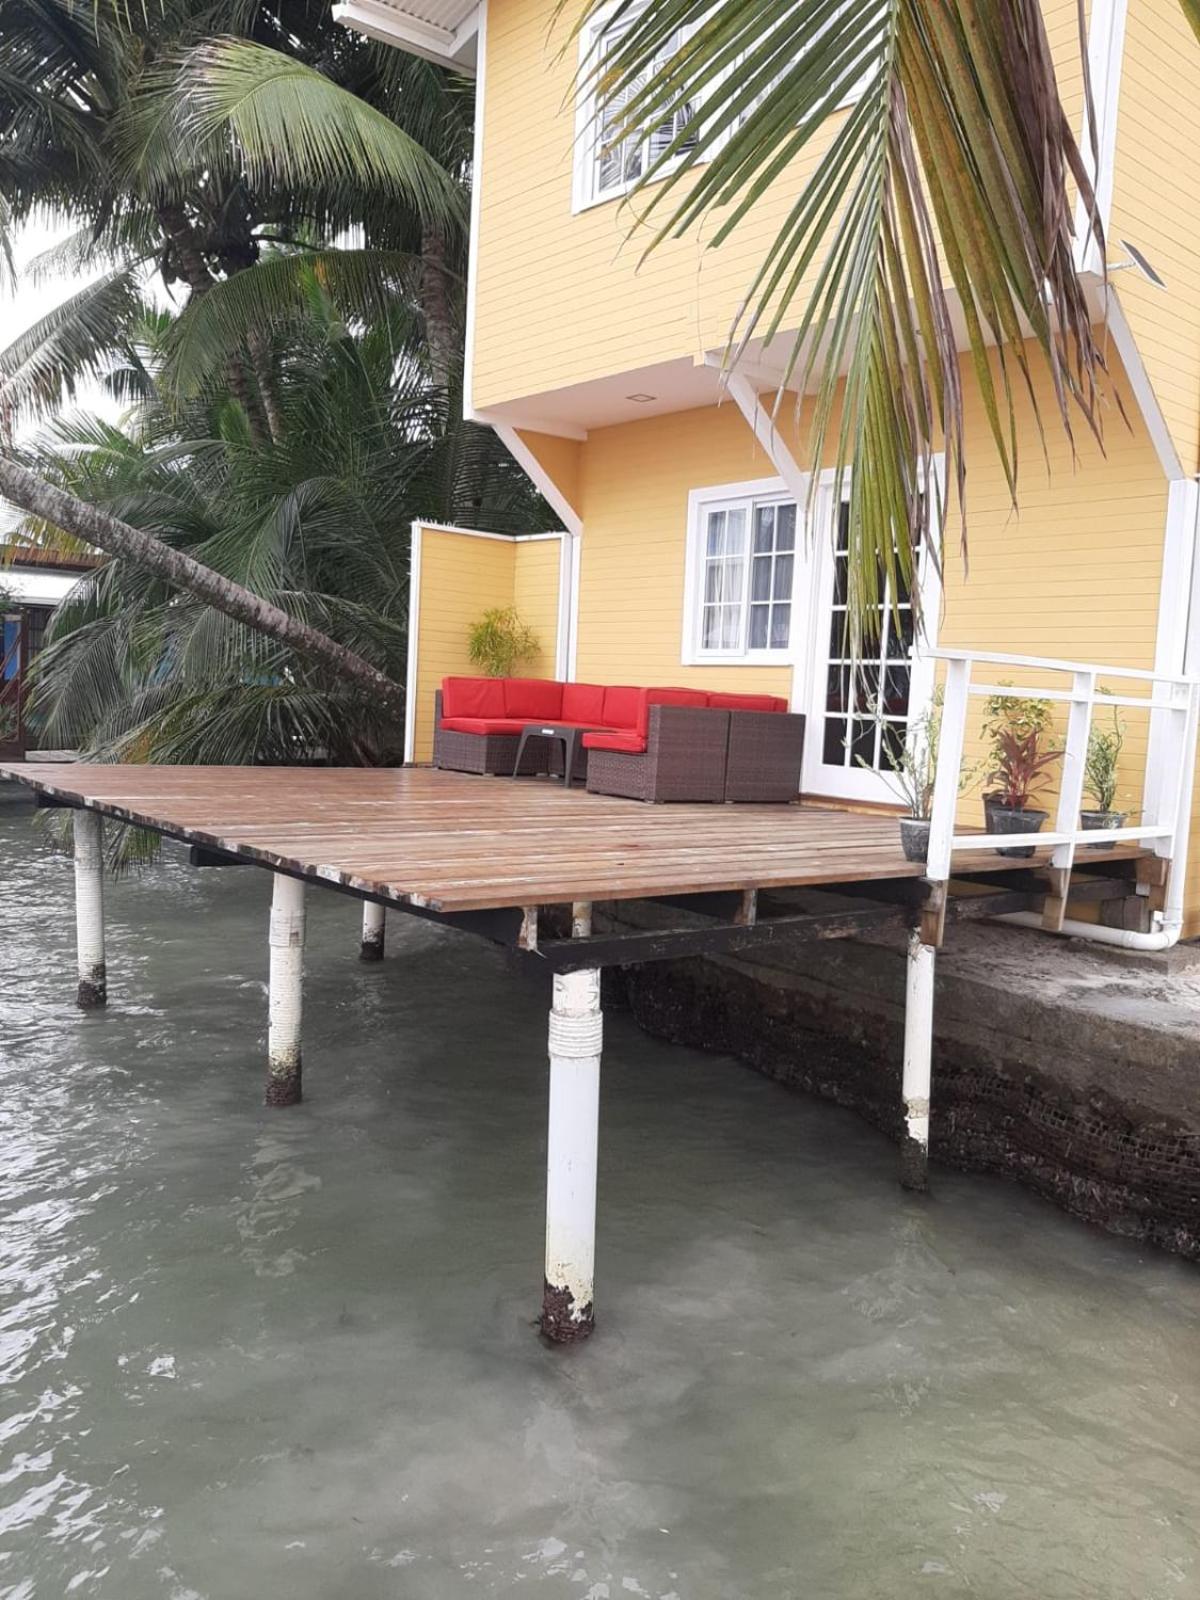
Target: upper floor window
[606, 166]
[741, 575]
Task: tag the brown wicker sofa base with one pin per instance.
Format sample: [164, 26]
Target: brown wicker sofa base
[684, 759]
[495, 753]
[764, 758]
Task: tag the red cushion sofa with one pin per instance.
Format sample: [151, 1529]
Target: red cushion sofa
[644, 743]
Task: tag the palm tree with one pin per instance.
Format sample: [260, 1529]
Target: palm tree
[104, 122]
[955, 159]
[316, 523]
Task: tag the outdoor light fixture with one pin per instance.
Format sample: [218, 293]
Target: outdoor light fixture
[641, 399]
[1139, 263]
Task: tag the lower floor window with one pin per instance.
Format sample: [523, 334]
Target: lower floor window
[747, 575]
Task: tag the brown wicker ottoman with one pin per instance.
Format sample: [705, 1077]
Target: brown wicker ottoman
[766, 751]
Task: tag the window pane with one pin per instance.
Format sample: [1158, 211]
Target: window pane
[837, 689]
[781, 626]
[837, 635]
[764, 528]
[760, 585]
[731, 617]
[783, 577]
[841, 580]
[716, 533]
[735, 531]
[759, 616]
[834, 749]
[785, 527]
[901, 630]
[710, 629]
[862, 742]
[895, 695]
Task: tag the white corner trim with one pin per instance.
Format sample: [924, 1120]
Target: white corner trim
[1139, 382]
[1175, 633]
[476, 205]
[414, 627]
[408, 31]
[567, 553]
[576, 547]
[541, 479]
[1106, 54]
[768, 435]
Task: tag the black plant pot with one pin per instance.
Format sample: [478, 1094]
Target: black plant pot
[914, 838]
[991, 803]
[1005, 821]
[1102, 819]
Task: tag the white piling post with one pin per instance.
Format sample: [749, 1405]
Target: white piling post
[576, 1033]
[286, 993]
[92, 991]
[373, 927]
[918, 1063]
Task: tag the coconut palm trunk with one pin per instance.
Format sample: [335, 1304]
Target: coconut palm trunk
[43, 500]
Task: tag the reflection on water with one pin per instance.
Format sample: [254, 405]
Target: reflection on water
[249, 1353]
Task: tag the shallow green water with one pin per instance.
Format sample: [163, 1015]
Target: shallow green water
[256, 1354]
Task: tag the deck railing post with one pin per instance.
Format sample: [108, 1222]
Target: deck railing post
[374, 928]
[285, 1001]
[576, 1033]
[918, 1062]
[92, 991]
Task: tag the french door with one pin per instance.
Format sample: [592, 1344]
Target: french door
[858, 712]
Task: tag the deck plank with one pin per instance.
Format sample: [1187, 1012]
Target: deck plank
[455, 842]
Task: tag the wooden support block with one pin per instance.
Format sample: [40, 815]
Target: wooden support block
[527, 939]
[747, 912]
[933, 916]
[1058, 888]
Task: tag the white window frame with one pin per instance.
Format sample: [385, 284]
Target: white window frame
[585, 166]
[755, 491]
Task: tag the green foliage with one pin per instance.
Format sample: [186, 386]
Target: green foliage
[910, 759]
[499, 642]
[1005, 713]
[1101, 767]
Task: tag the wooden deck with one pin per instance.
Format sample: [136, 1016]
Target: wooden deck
[451, 842]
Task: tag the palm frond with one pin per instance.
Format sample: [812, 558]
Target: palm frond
[45, 365]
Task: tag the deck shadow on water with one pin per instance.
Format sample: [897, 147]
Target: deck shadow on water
[247, 1354]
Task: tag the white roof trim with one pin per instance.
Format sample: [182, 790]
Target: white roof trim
[393, 23]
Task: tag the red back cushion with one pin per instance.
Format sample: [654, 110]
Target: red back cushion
[625, 708]
[748, 702]
[539, 699]
[671, 697]
[583, 702]
[472, 697]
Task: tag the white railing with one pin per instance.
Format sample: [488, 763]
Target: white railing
[1172, 701]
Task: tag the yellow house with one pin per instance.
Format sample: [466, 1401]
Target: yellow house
[600, 368]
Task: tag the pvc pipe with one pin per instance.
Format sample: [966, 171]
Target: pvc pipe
[92, 990]
[918, 1063]
[285, 1002]
[1166, 935]
[576, 1036]
[374, 922]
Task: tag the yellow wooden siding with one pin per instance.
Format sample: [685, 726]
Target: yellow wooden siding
[1156, 206]
[558, 459]
[635, 483]
[563, 298]
[535, 596]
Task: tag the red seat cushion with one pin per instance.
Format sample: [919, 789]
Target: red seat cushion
[625, 708]
[483, 724]
[473, 697]
[584, 703]
[533, 699]
[629, 743]
[748, 702]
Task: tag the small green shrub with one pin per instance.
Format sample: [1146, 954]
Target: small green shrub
[1103, 759]
[500, 641]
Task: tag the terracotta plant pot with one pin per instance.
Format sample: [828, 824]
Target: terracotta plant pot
[1102, 819]
[914, 838]
[1005, 821]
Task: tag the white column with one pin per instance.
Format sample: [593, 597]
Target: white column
[89, 909]
[918, 1063]
[286, 994]
[576, 1033]
[373, 924]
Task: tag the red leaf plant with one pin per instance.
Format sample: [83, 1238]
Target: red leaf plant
[1021, 768]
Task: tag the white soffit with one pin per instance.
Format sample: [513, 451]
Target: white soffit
[444, 31]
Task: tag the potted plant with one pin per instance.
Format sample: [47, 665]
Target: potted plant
[1100, 775]
[1016, 714]
[500, 641]
[911, 772]
[1020, 764]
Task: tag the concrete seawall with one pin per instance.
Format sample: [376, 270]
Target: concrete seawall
[1073, 1070]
